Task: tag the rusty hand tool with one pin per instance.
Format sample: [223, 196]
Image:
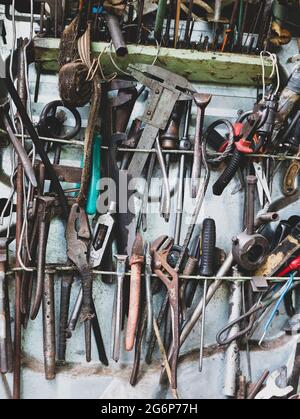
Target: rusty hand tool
[47, 208]
[118, 307]
[169, 141]
[232, 354]
[255, 388]
[95, 326]
[9, 87]
[140, 14]
[49, 326]
[229, 33]
[160, 250]
[123, 103]
[290, 177]
[183, 145]
[136, 263]
[202, 100]
[65, 293]
[250, 249]
[177, 22]
[5, 336]
[187, 34]
[26, 163]
[78, 237]
[148, 274]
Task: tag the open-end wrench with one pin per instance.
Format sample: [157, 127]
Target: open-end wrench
[272, 389]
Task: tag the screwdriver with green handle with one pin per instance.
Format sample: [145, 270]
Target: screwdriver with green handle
[93, 192]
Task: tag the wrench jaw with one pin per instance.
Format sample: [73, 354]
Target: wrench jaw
[160, 251]
[272, 388]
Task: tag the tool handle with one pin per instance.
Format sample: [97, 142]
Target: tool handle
[87, 296]
[136, 263]
[98, 338]
[49, 327]
[160, 17]
[235, 163]
[65, 293]
[3, 326]
[93, 193]
[41, 266]
[208, 245]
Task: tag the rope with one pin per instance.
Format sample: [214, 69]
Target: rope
[275, 69]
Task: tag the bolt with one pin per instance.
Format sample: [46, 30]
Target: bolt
[235, 240]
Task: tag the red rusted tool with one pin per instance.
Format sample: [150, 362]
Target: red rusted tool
[160, 251]
[136, 263]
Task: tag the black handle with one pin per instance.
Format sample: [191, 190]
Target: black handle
[66, 285]
[208, 246]
[236, 162]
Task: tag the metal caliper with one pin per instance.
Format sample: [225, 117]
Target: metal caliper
[166, 88]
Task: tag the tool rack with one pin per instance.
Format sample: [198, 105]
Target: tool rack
[203, 67]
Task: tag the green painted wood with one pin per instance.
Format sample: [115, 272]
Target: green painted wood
[208, 67]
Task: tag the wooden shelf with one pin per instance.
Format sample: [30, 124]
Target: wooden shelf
[208, 67]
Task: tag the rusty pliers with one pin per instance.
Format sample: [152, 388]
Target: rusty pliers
[160, 249]
[78, 238]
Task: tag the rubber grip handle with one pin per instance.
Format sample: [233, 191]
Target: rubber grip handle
[93, 193]
[208, 246]
[216, 140]
[136, 263]
[228, 174]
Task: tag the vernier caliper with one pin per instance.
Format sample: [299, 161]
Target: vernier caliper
[166, 88]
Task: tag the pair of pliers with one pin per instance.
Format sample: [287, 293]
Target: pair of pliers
[78, 237]
[160, 250]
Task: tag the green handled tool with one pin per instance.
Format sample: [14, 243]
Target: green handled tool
[93, 193]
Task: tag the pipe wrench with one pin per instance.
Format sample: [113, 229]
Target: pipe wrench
[160, 250]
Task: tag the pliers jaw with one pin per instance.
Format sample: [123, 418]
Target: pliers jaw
[160, 250]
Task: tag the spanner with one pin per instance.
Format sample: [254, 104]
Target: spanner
[272, 389]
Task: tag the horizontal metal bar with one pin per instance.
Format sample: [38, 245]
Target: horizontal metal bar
[281, 157]
[53, 269]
